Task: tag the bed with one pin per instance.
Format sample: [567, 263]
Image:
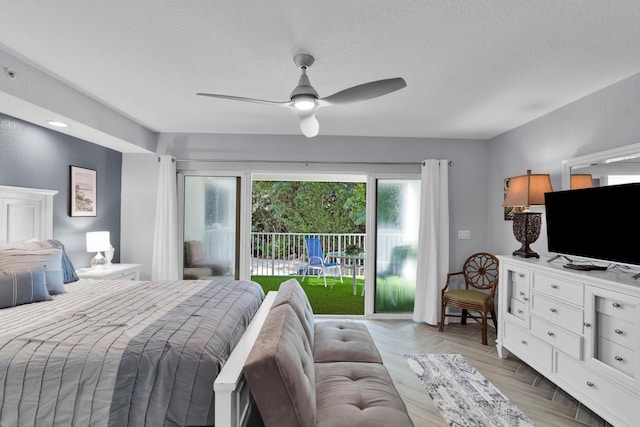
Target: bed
[117, 353]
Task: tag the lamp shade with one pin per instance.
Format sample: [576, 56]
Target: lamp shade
[581, 180]
[527, 190]
[98, 241]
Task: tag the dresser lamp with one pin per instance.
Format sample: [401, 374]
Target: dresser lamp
[581, 180]
[526, 191]
[98, 241]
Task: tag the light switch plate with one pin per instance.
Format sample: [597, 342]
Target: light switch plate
[464, 234]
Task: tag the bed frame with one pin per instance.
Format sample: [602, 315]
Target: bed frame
[27, 213]
[233, 400]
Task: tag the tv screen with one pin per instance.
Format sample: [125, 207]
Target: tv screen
[599, 223]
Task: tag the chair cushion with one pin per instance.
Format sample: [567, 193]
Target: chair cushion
[280, 371]
[194, 257]
[194, 252]
[190, 273]
[357, 394]
[469, 295]
[291, 292]
[344, 341]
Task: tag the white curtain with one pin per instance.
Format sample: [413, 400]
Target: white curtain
[433, 240]
[165, 239]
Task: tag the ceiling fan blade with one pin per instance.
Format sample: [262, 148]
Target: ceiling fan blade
[364, 91]
[239, 98]
[309, 124]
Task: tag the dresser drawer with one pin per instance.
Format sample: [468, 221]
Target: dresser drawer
[605, 396]
[529, 348]
[558, 337]
[519, 309]
[559, 288]
[557, 312]
[126, 276]
[519, 276]
[521, 292]
[623, 308]
[520, 285]
[617, 330]
[619, 357]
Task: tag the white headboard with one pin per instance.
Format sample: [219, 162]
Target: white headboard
[25, 213]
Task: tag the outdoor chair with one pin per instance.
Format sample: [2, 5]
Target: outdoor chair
[399, 255]
[316, 261]
[480, 272]
[197, 266]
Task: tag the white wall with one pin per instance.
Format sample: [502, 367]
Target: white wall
[606, 119]
[138, 210]
[468, 177]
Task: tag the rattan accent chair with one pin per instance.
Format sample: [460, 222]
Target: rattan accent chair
[480, 273]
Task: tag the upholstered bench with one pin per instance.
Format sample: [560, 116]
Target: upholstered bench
[332, 340]
[323, 373]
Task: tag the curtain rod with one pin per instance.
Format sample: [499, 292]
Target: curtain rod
[307, 162]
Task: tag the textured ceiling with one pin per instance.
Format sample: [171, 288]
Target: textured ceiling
[474, 69]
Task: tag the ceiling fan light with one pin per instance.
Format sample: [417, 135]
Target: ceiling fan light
[304, 102]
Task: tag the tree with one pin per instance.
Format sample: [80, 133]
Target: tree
[308, 207]
[388, 209]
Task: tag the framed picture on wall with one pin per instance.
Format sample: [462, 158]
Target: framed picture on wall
[83, 192]
[509, 211]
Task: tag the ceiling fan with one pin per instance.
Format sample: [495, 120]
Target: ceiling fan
[305, 100]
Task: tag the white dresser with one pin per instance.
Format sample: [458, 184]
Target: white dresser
[111, 272]
[579, 329]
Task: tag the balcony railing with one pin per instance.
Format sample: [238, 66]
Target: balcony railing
[284, 254]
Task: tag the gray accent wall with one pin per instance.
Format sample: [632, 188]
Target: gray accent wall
[37, 157]
[606, 119]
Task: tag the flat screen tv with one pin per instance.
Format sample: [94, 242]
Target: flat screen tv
[600, 223]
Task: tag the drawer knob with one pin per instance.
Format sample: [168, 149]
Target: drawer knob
[618, 331]
[554, 286]
[553, 310]
[550, 333]
[587, 324]
[619, 358]
[523, 342]
[616, 305]
[590, 384]
[520, 311]
[520, 275]
[525, 299]
[522, 293]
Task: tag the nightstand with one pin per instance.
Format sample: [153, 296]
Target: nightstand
[111, 272]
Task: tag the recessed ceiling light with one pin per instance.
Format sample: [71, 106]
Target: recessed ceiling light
[58, 124]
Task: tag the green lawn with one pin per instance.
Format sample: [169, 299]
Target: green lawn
[339, 300]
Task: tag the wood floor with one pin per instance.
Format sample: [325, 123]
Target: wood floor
[538, 398]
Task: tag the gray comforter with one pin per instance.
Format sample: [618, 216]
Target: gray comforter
[116, 353]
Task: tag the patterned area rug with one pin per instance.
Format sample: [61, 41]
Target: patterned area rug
[463, 396]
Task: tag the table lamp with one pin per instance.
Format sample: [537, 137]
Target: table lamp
[526, 191]
[581, 180]
[98, 241]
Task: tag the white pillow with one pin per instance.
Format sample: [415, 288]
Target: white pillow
[51, 259]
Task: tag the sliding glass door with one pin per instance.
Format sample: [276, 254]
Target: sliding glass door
[397, 218]
[211, 226]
